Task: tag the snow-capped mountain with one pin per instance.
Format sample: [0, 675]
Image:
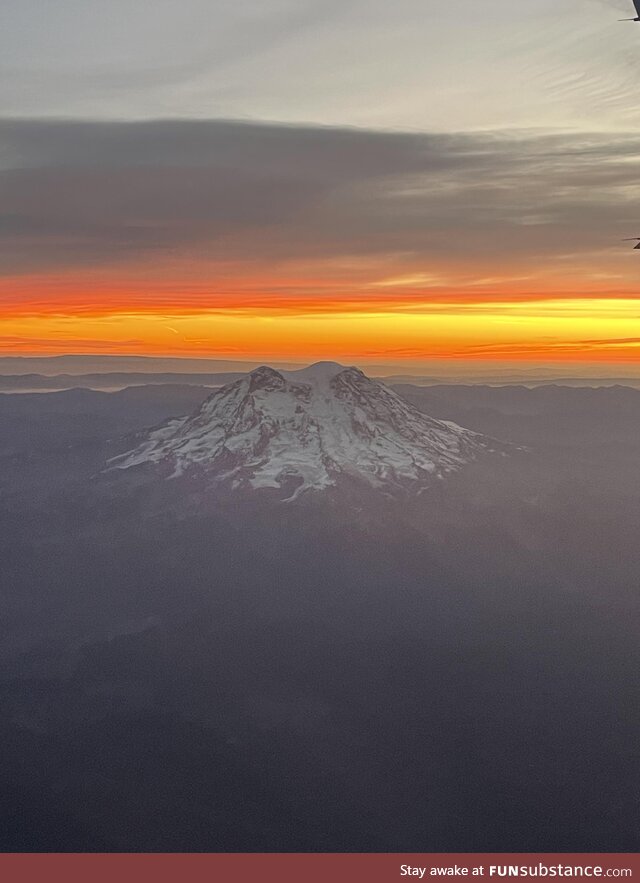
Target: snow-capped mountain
[307, 430]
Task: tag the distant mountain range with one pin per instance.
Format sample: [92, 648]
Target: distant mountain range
[109, 381]
[96, 364]
[21, 373]
[119, 380]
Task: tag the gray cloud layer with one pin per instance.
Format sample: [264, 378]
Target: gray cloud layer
[94, 193]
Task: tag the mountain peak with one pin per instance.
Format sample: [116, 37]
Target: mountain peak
[265, 378]
[319, 372]
[304, 430]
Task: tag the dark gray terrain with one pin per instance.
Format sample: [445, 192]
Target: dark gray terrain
[184, 670]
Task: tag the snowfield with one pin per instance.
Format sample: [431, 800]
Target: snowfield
[309, 427]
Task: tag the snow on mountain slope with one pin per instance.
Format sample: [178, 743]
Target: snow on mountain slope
[308, 429]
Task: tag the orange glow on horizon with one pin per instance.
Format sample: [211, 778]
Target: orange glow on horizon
[301, 317]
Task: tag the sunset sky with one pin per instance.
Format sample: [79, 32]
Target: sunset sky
[381, 183]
